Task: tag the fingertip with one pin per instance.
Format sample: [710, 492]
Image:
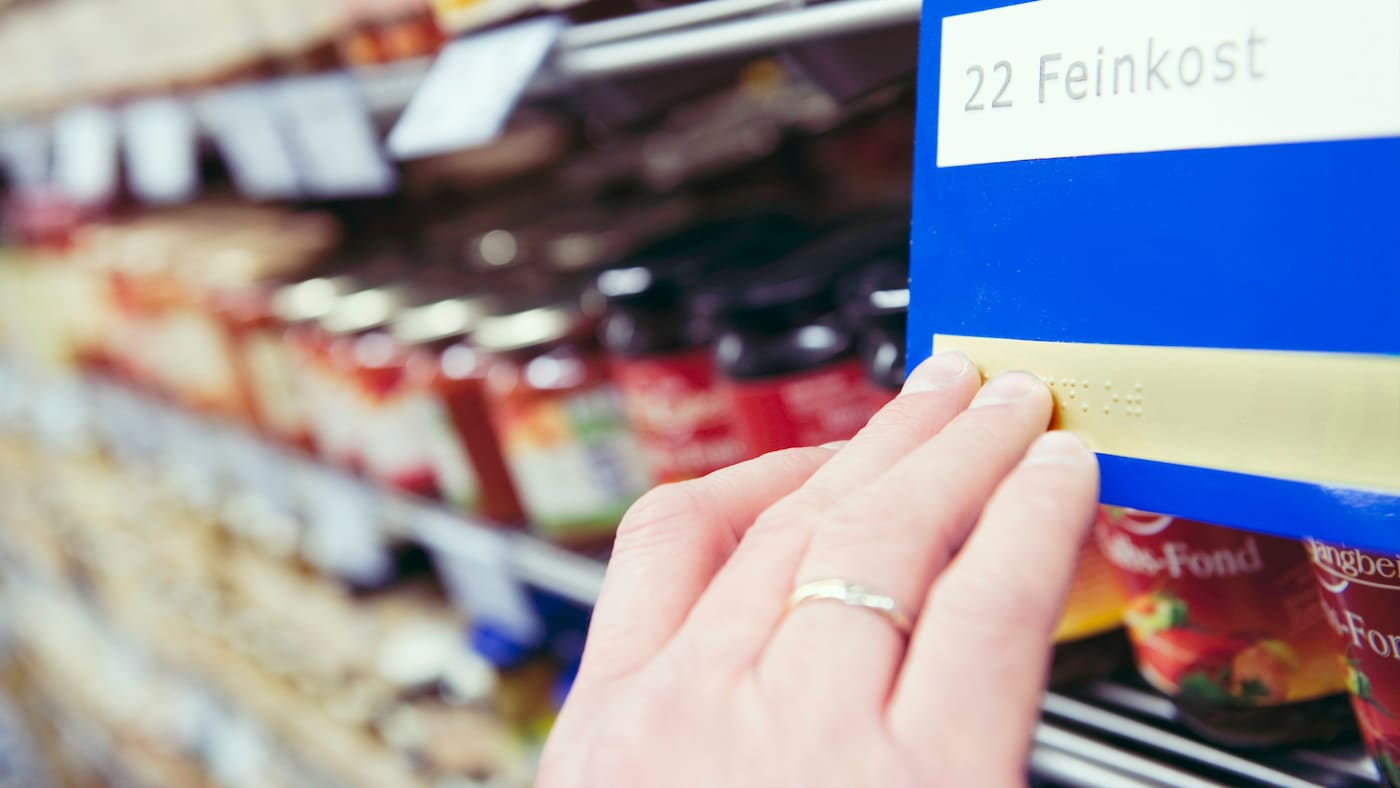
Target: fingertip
[937, 372]
[1059, 447]
[1012, 387]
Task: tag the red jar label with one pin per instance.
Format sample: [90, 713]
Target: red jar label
[1220, 616]
[678, 412]
[805, 409]
[1360, 593]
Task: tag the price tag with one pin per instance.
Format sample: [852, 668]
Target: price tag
[85, 153]
[472, 88]
[24, 153]
[343, 535]
[246, 130]
[159, 137]
[333, 136]
[476, 566]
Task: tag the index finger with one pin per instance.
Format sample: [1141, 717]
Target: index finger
[669, 547]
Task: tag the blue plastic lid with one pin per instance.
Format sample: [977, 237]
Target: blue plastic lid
[499, 648]
[563, 684]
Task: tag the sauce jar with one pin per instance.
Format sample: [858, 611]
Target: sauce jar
[1360, 592]
[789, 364]
[877, 309]
[285, 358]
[660, 352]
[358, 365]
[457, 372]
[1228, 624]
[575, 461]
[444, 381]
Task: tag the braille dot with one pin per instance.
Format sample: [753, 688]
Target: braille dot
[1115, 397]
[1086, 408]
[1138, 387]
[1107, 410]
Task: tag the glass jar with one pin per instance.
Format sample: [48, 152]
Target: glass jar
[1229, 625]
[283, 356]
[660, 352]
[575, 461]
[789, 364]
[359, 371]
[454, 375]
[876, 304]
[1360, 592]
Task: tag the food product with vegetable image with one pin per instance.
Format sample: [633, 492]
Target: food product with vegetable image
[1225, 623]
[1359, 592]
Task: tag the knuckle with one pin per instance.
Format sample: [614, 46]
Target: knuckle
[657, 508]
[901, 416]
[786, 513]
[864, 511]
[983, 429]
[795, 461]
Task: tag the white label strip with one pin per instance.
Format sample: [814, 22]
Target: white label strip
[1056, 79]
[474, 85]
[245, 128]
[161, 149]
[85, 153]
[334, 137]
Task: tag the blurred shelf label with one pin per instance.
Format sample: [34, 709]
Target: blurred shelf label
[343, 536]
[333, 136]
[243, 122]
[477, 567]
[24, 153]
[159, 137]
[472, 88]
[85, 153]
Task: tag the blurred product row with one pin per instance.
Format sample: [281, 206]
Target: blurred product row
[1258, 640]
[61, 51]
[552, 392]
[202, 660]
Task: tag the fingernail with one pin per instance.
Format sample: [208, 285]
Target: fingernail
[835, 445]
[1005, 388]
[936, 372]
[1056, 448]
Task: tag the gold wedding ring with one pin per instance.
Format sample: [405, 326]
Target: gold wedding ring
[838, 590]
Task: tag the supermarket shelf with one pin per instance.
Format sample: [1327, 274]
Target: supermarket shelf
[573, 576]
[653, 40]
[1110, 733]
[1140, 736]
[751, 35]
[656, 40]
[528, 559]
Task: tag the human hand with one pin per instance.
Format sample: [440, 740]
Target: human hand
[696, 672]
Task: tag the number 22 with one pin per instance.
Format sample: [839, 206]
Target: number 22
[997, 101]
